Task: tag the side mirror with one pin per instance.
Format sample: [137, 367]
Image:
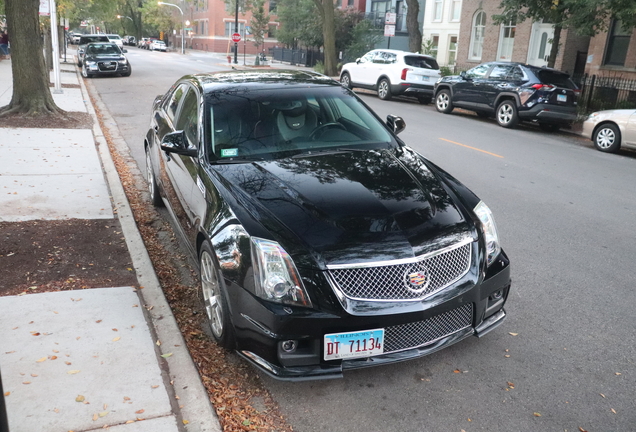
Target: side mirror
[358, 60]
[124, 50]
[395, 123]
[463, 74]
[175, 142]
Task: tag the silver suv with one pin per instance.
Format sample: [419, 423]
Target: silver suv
[393, 73]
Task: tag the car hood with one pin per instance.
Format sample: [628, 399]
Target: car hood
[351, 207]
[104, 57]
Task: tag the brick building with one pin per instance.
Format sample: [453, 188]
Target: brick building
[480, 40]
[613, 53]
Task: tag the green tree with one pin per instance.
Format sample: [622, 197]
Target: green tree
[585, 17]
[300, 25]
[31, 92]
[363, 38]
[259, 22]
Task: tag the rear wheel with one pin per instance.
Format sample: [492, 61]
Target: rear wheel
[507, 114]
[345, 80]
[384, 89]
[214, 299]
[443, 101]
[607, 138]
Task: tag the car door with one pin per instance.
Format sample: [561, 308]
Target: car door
[496, 83]
[179, 172]
[360, 70]
[468, 91]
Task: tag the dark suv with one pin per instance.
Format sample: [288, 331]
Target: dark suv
[512, 92]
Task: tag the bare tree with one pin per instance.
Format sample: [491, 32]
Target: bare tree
[327, 16]
[413, 26]
[31, 91]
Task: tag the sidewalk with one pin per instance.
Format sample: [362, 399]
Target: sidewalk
[94, 358]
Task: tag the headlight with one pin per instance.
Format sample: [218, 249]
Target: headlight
[123, 62]
[90, 62]
[489, 228]
[593, 115]
[275, 274]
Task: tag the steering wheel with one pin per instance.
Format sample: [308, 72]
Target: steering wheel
[320, 130]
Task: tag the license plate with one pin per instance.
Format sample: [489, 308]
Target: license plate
[562, 98]
[425, 78]
[354, 344]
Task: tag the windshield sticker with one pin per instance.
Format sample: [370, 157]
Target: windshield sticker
[229, 152]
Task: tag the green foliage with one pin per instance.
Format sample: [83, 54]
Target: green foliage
[319, 67]
[259, 22]
[445, 71]
[244, 6]
[300, 23]
[429, 48]
[363, 37]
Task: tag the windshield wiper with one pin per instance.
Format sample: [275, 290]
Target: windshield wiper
[239, 159]
[330, 151]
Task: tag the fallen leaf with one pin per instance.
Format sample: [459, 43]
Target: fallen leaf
[155, 386]
[9, 352]
[166, 355]
[246, 422]
[80, 398]
[158, 343]
[72, 372]
[581, 429]
[98, 321]
[68, 363]
[115, 329]
[34, 375]
[26, 382]
[129, 422]
[457, 371]
[103, 413]
[602, 395]
[55, 351]
[7, 393]
[618, 373]
[116, 339]
[185, 422]
[105, 406]
[95, 417]
[126, 398]
[53, 358]
[613, 410]
[537, 414]
[513, 334]
[507, 355]
[41, 360]
[38, 334]
[139, 412]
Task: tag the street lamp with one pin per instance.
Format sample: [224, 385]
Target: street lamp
[182, 25]
[123, 16]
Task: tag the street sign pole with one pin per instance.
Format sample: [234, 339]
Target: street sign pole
[236, 31]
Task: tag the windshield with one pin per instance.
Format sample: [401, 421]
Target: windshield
[264, 123]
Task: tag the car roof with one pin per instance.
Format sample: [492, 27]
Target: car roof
[404, 53]
[532, 67]
[102, 43]
[213, 81]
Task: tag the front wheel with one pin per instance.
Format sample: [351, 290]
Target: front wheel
[85, 72]
[507, 114]
[345, 80]
[384, 89]
[607, 138]
[214, 299]
[443, 101]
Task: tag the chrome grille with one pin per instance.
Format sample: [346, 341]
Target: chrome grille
[107, 65]
[393, 282]
[413, 335]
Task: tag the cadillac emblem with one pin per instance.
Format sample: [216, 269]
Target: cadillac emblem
[417, 282]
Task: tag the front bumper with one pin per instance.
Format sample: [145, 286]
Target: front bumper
[262, 327]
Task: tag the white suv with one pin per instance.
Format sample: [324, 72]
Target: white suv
[393, 73]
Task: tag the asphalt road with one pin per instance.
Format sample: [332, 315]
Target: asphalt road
[564, 358]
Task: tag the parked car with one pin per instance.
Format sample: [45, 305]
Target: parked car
[130, 40]
[141, 43]
[324, 242]
[611, 129]
[512, 92]
[85, 40]
[116, 39]
[105, 59]
[393, 73]
[158, 45]
[75, 38]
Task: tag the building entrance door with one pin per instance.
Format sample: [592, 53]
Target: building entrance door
[540, 44]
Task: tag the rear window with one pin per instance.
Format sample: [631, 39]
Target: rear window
[89, 39]
[421, 62]
[558, 79]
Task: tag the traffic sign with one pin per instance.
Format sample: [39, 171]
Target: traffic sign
[236, 37]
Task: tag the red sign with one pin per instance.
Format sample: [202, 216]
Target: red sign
[236, 37]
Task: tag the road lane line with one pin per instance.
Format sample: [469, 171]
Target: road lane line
[472, 148]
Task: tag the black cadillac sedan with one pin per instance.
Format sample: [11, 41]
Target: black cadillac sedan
[105, 58]
[324, 242]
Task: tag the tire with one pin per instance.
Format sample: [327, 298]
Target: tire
[214, 299]
[85, 73]
[424, 100]
[384, 89]
[506, 114]
[127, 74]
[153, 188]
[549, 127]
[443, 101]
[607, 138]
[345, 80]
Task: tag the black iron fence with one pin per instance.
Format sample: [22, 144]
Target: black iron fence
[300, 57]
[601, 93]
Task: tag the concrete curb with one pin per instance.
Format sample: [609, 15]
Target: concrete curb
[190, 400]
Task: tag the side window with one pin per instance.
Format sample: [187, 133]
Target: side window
[379, 57]
[516, 74]
[187, 120]
[368, 57]
[500, 71]
[478, 71]
[348, 114]
[173, 103]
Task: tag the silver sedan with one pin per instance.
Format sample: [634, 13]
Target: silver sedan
[611, 129]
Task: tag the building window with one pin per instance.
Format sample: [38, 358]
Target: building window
[350, 3]
[452, 50]
[434, 45]
[271, 30]
[617, 44]
[506, 41]
[456, 10]
[272, 6]
[438, 9]
[229, 28]
[477, 35]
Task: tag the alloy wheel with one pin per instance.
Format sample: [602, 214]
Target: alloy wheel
[211, 294]
[383, 89]
[442, 101]
[505, 114]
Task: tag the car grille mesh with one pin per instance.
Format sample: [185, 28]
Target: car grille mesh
[392, 282]
[413, 335]
[107, 66]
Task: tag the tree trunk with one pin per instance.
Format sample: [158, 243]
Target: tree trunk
[326, 12]
[413, 26]
[555, 46]
[31, 91]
